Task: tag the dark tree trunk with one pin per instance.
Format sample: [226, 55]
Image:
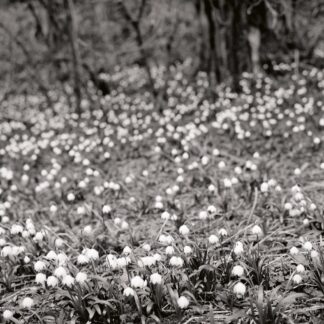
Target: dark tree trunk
[76, 60]
[235, 40]
[213, 65]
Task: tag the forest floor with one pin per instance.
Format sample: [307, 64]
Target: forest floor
[209, 213]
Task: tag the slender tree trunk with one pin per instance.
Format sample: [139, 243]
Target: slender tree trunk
[135, 23]
[76, 59]
[235, 38]
[213, 63]
[254, 38]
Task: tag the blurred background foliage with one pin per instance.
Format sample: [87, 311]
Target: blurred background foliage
[77, 45]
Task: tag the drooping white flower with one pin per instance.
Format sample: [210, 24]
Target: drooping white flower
[128, 291]
[127, 250]
[52, 281]
[187, 250]
[300, 268]
[39, 266]
[238, 271]
[183, 302]
[138, 282]
[169, 250]
[68, 281]
[7, 315]
[297, 279]
[155, 278]
[147, 247]
[257, 230]
[184, 230]
[60, 272]
[51, 255]
[239, 289]
[27, 302]
[308, 246]
[40, 278]
[238, 248]
[81, 277]
[213, 239]
[294, 250]
[176, 261]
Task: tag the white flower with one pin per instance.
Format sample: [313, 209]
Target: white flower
[204, 160]
[127, 250]
[157, 257]
[264, 187]
[124, 225]
[169, 250]
[176, 261]
[62, 259]
[297, 279]
[300, 268]
[238, 271]
[147, 261]
[68, 281]
[222, 232]
[288, 206]
[128, 291]
[39, 236]
[146, 247]
[234, 181]
[203, 215]
[123, 262]
[211, 209]
[39, 266]
[138, 282]
[314, 254]
[187, 250]
[52, 281]
[239, 289]
[183, 302]
[27, 302]
[87, 230]
[81, 277]
[168, 239]
[7, 315]
[297, 171]
[155, 278]
[70, 196]
[184, 230]
[165, 215]
[308, 246]
[40, 278]
[312, 207]
[112, 261]
[227, 183]
[6, 251]
[60, 272]
[51, 255]
[294, 250]
[16, 229]
[257, 230]
[92, 254]
[26, 259]
[59, 242]
[106, 209]
[53, 209]
[238, 248]
[238, 170]
[213, 239]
